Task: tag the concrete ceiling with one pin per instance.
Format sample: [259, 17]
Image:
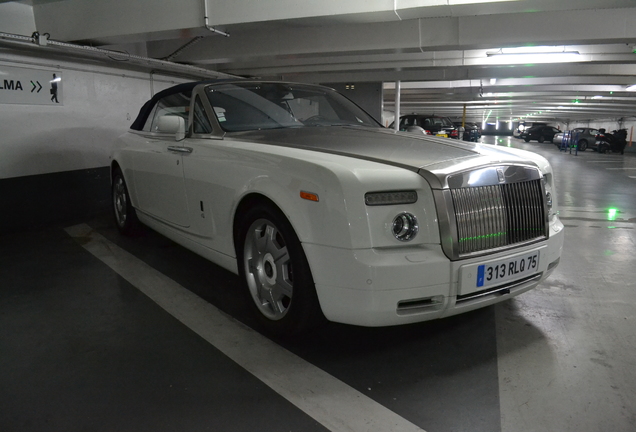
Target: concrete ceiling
[438, 49]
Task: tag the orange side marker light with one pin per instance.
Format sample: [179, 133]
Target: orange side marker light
[309, 196]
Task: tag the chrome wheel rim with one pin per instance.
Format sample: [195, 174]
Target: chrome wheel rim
[120, 201]
[268, 269]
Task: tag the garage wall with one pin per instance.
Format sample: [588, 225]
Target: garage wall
[55, 155]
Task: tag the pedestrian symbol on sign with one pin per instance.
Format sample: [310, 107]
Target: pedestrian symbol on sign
[54, 82]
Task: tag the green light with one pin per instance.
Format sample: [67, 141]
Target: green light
[499, 234]
[611, 214]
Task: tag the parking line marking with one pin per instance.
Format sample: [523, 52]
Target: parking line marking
[329, 401]
[623, 168]
[634, 177]
[606, 161]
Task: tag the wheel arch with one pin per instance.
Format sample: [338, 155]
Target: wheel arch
[307, 218]
[113, 167]
[248, 201]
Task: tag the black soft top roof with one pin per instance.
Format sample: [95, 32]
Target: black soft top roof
[185, 88]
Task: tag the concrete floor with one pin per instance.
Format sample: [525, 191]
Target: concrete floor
[104, 333]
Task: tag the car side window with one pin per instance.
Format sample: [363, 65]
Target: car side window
[200, 121]
[405, 122]
[176, 104]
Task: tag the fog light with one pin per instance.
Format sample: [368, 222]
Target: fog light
[548, 200]
[405, 227]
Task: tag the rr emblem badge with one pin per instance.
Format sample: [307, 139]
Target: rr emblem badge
[500, 175]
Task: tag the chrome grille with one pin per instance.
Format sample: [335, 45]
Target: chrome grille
[491, 217]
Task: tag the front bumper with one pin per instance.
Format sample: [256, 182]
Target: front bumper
[383, 287]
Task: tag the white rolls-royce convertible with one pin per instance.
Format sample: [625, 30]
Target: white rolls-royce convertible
[325, 213]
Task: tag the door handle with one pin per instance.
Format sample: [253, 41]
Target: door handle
[178, 149]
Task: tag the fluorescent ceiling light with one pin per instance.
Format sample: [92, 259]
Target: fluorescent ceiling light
[464, 2]
[532, 50]
[537, 54]
[631, 88]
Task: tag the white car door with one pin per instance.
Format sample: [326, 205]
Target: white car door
[159, 181]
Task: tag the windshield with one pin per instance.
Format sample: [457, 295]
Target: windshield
[256, 106]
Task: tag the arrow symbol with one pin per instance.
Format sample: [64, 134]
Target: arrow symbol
[34, 86]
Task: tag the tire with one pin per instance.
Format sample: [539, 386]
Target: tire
[541, 139]
[604, 148]
[279, 284]
[123, 211]
[582, 145]
[526, 139]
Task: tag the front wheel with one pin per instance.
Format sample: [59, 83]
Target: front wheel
[273, 264]
[526, 139]
[582, 145]
[541, 139]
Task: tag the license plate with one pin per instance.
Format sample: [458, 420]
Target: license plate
[499, 272]
[442, 135]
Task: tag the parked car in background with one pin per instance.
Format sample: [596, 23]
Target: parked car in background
[584, 137]
[539, 133]
[324, 213]
[432, 125]
[472, 131]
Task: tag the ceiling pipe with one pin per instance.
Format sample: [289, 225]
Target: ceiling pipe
[398, 91]
[42, 41]
[207, 21]
[183, 48]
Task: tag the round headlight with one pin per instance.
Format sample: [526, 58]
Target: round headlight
[405, 227]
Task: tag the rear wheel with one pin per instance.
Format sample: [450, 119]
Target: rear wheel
[582, 145]
[123, 211]
[526, 139]
[273, 264]
[541, 139]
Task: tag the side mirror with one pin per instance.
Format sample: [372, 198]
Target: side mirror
[172, 124]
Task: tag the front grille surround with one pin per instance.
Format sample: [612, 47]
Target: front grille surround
[491, 217]
[504, 208]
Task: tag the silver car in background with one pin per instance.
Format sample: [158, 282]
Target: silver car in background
[584, 137]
